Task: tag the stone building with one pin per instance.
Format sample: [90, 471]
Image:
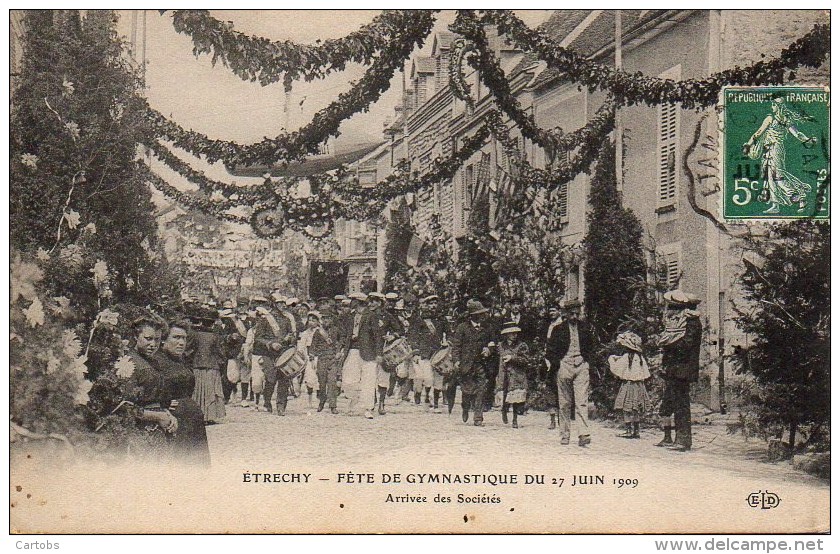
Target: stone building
[659, 142]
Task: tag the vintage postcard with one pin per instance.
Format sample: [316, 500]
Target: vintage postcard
[422, 271]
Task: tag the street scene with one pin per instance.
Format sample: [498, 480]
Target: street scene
[582, 253]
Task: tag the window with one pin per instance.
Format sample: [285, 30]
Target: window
[670, 265]
[668, 133]
[463, 196]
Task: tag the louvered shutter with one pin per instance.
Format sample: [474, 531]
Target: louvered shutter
[562, 203]
[668, 146]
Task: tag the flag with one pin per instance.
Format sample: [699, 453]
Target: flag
[415, 246]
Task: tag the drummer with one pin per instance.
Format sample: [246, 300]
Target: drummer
[391, 331]
[395, 330]
[404, 371]
[426, 335]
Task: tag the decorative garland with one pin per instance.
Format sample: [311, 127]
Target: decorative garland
[491, 73]
[204, 183]
[296, 145]
[629, 89]
[188, 200]
[259, 59]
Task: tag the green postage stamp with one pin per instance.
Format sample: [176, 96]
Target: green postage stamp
[776, 152]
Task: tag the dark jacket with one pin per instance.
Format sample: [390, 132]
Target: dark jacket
[207, 350]
[265, 336]
[468, 342]
[557, 344]
[681, 359]
[422, 338]
[371, 337]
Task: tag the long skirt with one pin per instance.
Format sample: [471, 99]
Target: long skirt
[208, 393]
[189, 444]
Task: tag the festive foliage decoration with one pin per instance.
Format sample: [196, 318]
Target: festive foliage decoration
[259, 59]
[307, 140]
[629, 89]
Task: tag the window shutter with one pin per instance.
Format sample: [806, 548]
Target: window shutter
[668, 133]
[563, 202]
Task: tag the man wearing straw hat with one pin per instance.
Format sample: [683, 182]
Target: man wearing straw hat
[680, 343]
[472, 345]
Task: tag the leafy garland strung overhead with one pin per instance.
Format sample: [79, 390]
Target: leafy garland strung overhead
[259, 59]
[634, 88]
[230, 192]
[475, 49]
[307, 140]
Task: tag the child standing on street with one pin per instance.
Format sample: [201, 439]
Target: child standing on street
[632, 368]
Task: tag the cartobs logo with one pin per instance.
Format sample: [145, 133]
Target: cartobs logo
[764, 500]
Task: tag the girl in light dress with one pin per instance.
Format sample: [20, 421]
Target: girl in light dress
[632, 368]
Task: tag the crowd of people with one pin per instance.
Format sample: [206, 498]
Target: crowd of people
[258, 352]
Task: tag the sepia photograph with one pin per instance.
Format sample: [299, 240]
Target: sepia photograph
[480, 271]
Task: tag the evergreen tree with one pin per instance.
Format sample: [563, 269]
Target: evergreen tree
[790, 315]
[613, 270]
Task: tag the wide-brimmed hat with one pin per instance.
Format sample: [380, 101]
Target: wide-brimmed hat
[400, 305]
[292, 301]
[346, 302]
[630, 340]
[314, 313]
[510, 327]
[339, 297]
[681, 299]
[474, 307]
[376, 296]
[358, 296]
[259, 300]
[225, 312]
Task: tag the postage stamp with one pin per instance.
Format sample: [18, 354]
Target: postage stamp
[776, 153]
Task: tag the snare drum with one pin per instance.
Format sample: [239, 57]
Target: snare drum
[442, 361]
[291, 362]
[396, 352]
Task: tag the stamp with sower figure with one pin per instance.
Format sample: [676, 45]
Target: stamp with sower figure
[775, 153]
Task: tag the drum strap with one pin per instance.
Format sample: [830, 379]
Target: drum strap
[275, 327]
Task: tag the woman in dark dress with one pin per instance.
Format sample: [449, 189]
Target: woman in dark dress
[189, 443]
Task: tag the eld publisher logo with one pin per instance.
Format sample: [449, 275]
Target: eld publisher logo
[764, 500]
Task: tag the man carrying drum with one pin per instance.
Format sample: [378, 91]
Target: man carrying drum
[427, 335]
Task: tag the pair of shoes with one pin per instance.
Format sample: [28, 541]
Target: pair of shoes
[333, 410]
[584, 440]
[664, 442]
[677, 447]
[279, 413]
[381, 411]
[320, 408]
[244, 404]
[504, 418]
[478, 423]
[436, 410]
[368, 414]
[465, 416]
[564, 440]
[515, 425]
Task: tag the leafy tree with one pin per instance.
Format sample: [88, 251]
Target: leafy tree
[788, 290]
[76, 123]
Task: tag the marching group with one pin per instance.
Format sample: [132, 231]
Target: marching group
[258, 352]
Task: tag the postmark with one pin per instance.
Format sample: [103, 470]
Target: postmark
[775, 149]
